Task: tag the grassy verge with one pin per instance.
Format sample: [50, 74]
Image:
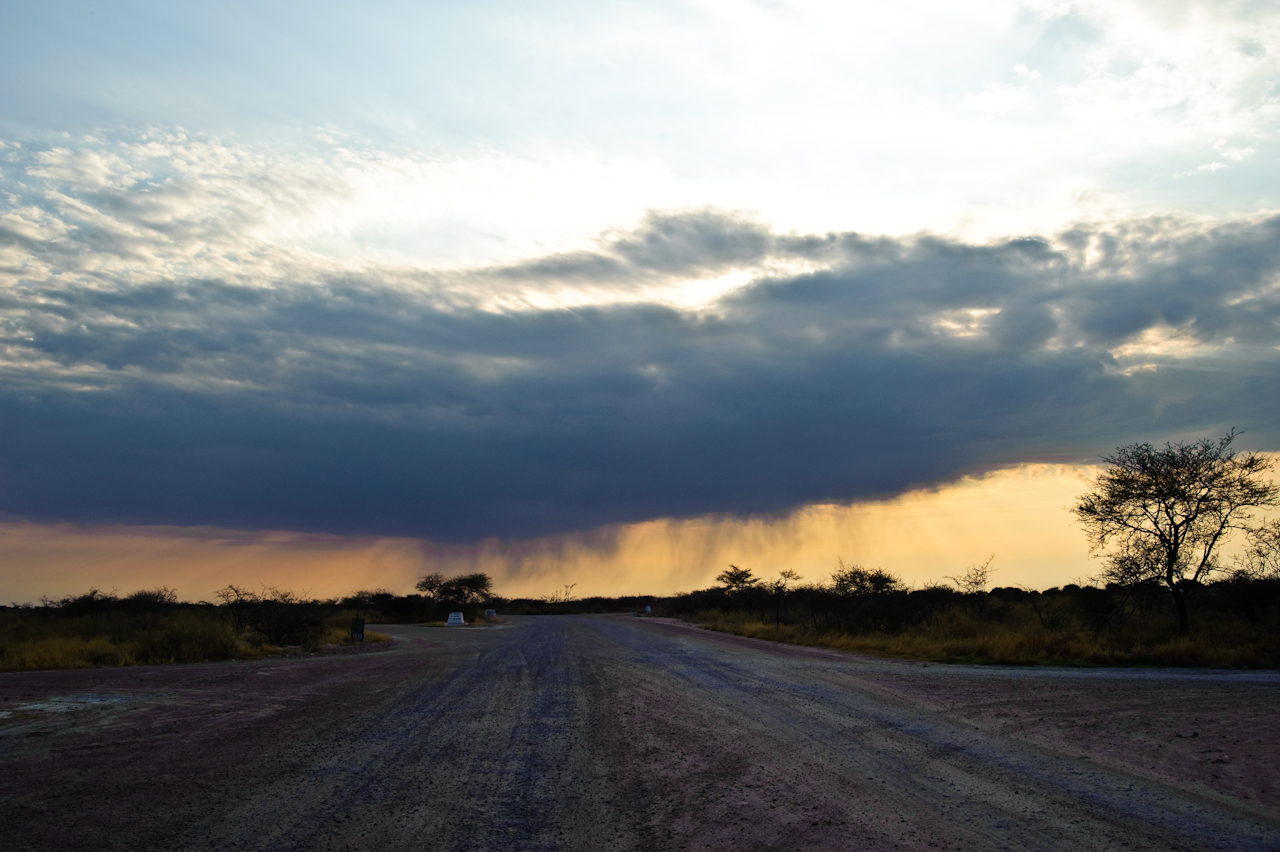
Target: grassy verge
[32, 640]
[342, 636]
[960, 637]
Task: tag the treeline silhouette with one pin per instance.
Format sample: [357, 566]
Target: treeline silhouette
[1237, 619]
[152, 626]
[1108, 609]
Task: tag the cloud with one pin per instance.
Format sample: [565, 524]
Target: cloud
[506, 138]
[166, 358]
[997, 99]
[922, 536]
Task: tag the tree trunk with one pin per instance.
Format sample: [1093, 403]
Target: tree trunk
[1184, 618]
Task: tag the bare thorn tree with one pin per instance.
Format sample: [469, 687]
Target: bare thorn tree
[1262, 560]
[1160, 515]
[564, 595]
[779, 587]
[975, 578]
[973, 585]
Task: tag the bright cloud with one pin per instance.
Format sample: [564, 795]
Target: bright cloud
[977, 119]
[452, 272]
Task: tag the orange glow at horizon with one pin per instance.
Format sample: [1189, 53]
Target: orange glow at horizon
[1019, 514]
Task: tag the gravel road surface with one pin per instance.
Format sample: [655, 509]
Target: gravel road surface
[637, 734]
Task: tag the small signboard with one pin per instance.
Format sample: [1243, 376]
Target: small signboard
[357, 629]
[490, 613]
[456, 618]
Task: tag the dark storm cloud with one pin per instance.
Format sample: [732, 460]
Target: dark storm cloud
[680, 244]
[357, 402]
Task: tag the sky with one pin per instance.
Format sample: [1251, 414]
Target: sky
[614, 294]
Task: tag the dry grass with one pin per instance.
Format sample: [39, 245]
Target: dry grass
[29, 641]
[342, 636]
[64, 652]
[960, 637]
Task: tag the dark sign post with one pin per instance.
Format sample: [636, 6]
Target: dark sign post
[357, 629]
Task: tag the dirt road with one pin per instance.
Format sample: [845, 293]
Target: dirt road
[618, 733]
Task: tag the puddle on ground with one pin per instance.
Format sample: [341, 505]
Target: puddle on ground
[56, 714]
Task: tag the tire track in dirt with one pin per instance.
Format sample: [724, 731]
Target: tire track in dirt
[587, 733]
[959, 785]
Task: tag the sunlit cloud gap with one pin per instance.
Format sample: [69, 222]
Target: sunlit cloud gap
[972, 119]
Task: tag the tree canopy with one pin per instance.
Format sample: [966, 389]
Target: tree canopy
[467, 588]
[1160, 515]
[430, 584]
[737, 579]
[463, 589]
[858, 582]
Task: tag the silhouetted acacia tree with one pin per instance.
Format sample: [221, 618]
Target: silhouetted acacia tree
[859, 596]
[467, 588]
[1159, 515]
[858, 582]
[737, 579]
[430, 585]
